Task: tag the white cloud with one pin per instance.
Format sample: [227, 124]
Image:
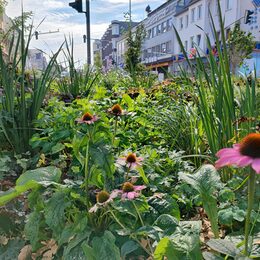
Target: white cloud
[58, 15]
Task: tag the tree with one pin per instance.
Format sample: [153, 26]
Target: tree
[241, 45]
[134, 43]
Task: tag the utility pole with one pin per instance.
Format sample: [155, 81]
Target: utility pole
[77, 5]
[87, 13]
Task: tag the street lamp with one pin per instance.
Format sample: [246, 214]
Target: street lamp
[77, 5]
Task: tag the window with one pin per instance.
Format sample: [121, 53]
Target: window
[164, 26]
[192, 41]
[149, 34]
[198, 40]
[199, 12]
[192, 15]
[154, 31]
[164, 48]
[229, 5]
[186, 45]
[169, 24]
[159, 29]
[38, 56]
[187, 20]
[181, 23]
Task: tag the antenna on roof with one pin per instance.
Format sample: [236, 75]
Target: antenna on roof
[148, 9]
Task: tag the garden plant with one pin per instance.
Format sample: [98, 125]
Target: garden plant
[128, 168]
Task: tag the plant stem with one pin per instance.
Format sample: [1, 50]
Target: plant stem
[122, 226]
[251, 193]
[115, 130]
[141, 220]
[87, 172]
[127, 173]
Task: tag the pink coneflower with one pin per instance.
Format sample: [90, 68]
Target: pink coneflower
[131, 160]
[116, 110]
[87, 118]
[247, 152]
[129, 191]
[103, 198]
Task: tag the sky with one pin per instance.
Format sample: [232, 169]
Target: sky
[58, 15]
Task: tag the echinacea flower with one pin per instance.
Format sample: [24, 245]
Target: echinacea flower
[131, 160]
[87, 118]
[129, 191]
[247, 152]
[103, 198]
[116, 110]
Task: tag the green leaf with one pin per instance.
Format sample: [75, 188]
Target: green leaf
[211, 256]
[57, 148]
[224, 247]
[128, 247]
[11, 250]
[50, 173]
[88, 251]
[165, 248]
[33, 227]
[167, 223]
[142, 174]
[30, 180]
[105, 247]
[206, 181]
[55, 212]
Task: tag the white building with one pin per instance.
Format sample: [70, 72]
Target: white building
[193, 22]
[161, 51]
[36, 60]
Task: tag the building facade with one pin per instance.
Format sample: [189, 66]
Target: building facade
[36, 60]
[192, 19]
[109, 42]
[158, 46]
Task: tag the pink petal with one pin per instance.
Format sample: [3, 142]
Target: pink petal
[115, 193]
[93, 209]
[140, 187]
[227, 152]
[131, 195]
[228, 160]
[244, 161]
[236, 146]
[256, 165]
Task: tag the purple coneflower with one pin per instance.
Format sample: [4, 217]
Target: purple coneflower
[116, 110]
[103, 198]
[131, 160]
[87, 118]
[129, 191]
[247, 152]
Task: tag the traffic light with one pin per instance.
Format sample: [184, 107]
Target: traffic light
[248, 16]
[77, 5]
[36, 35]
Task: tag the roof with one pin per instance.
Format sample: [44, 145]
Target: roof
[180, 9]
[161, 7]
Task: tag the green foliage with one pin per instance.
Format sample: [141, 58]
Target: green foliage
[22, 98]
[206, 181]
[240, 46]
[30, 180]
[134, 43]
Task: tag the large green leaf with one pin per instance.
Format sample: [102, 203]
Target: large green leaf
[55, 212]
[128, 247]
[30, 180]
[206, 181]
[223, 246]
[33, 229]
[11, 250]
[49, 174]
[167, 223]
[165, 248]
[105, 247]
